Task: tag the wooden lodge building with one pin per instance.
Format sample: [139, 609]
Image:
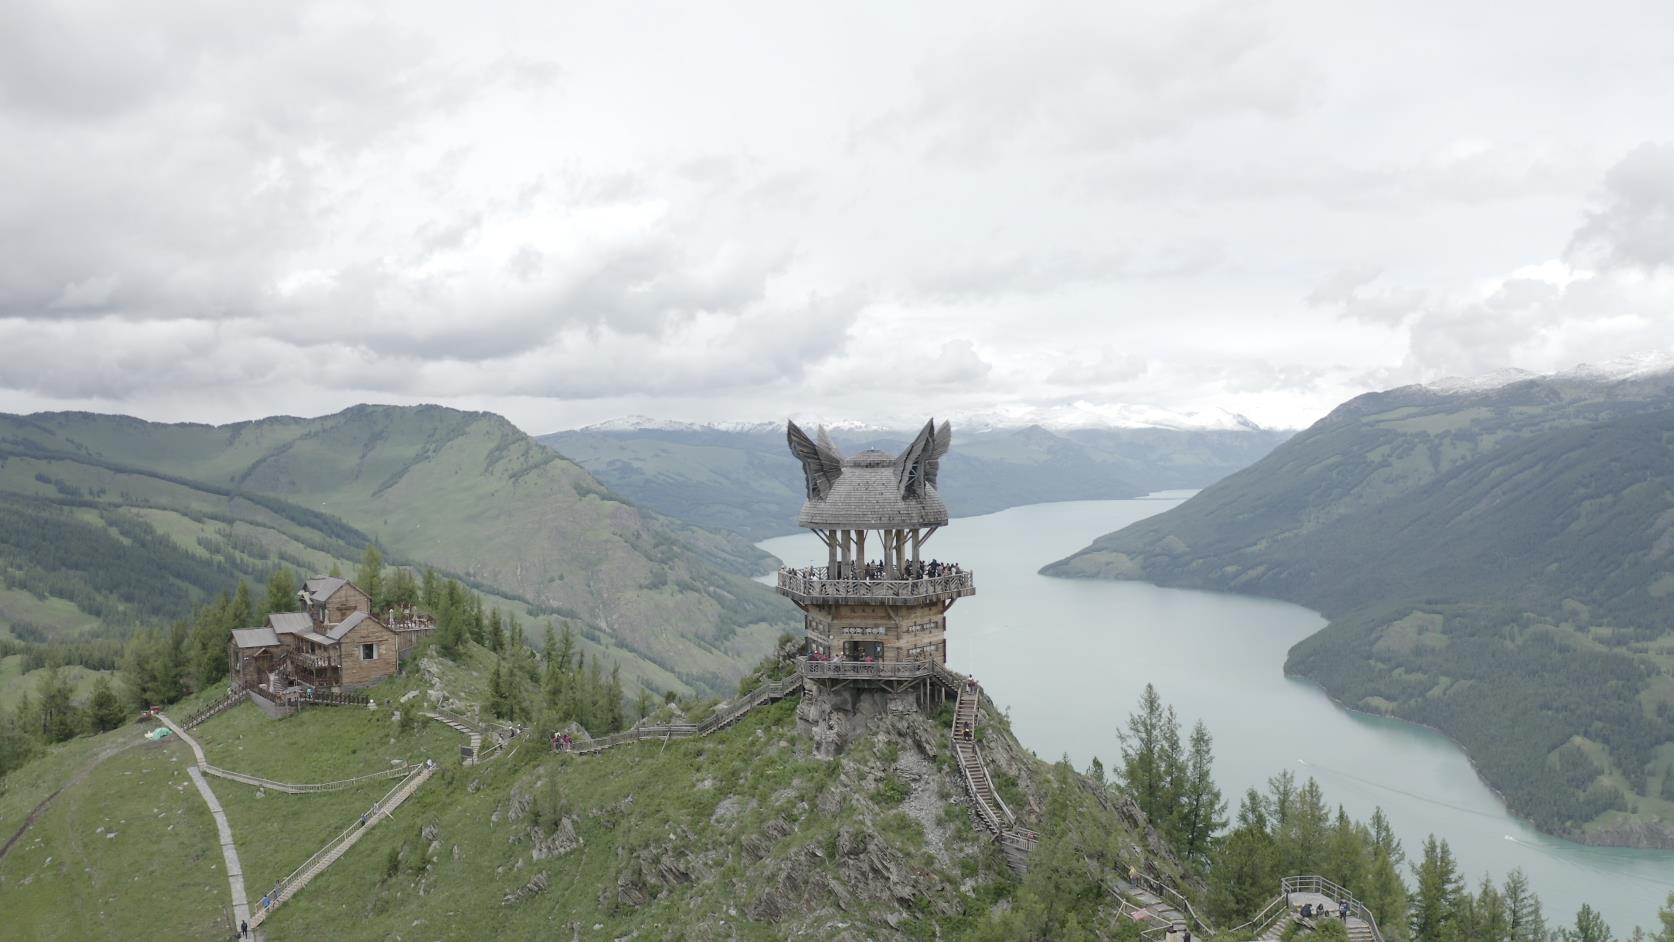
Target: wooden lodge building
[876, 613]
[334, 643]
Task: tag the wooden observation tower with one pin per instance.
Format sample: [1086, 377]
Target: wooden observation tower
[876, 612]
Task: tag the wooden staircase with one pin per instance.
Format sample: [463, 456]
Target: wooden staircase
[1016, 842]
[237, 695]
[339, 845]
[474, 734]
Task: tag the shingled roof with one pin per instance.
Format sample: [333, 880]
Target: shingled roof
[255, 637]
[286, 623]
[337, 631]
[320, 588]
[872, 490]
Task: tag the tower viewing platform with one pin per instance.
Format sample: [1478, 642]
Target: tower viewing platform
[878, 606]
[812, 586]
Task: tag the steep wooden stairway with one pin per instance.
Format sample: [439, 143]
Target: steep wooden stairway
[1016, 842]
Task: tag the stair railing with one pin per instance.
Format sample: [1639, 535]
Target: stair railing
[1314, 883]
[1263, 920]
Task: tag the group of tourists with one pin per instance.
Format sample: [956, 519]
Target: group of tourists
[911, 569]
[561, 742]
[1310, 911]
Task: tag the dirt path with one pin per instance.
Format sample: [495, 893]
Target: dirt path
[35, 813]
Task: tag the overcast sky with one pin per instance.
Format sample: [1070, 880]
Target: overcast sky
[565, 212]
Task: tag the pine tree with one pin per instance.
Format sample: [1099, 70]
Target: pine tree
[499, 701]
[1385, 895]
[370, 578]
[242, 612]
[60, 718]
[1665, 915]
[1345, 853]
[1151, 760]
[103, 708]
[431, 594]
[1246, 865]
[1201, 807]
[1488, 919]
[1435, 905]
[1589, 927]
[496, 632]
[614, 700]
[281, 591]
[1525, 922]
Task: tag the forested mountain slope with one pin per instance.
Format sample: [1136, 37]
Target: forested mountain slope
[1495, 564]
[739, 480]
[135, 520]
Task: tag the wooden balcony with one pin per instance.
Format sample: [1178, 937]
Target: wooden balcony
[888, 670]
[805, 589]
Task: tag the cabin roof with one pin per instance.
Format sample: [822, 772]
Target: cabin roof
[255, 638]
[321, 588]
[318, 638]
[347, 625]
[286, 623]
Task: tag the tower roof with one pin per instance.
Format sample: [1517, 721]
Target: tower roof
[873, 489]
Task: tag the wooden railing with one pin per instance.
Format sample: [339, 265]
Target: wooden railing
[234, 696]
[299, 788]
[1313, 883]
[769, 690]
[882, 669]
[805, 587]
[1162, 890]
[1264, 920]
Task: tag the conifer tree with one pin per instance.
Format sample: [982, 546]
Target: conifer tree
[370, 578]
[104, 709]
[431, 593]
[1200, 807]
[1525, 921]
[1246, 865]
[496, 632]
[1151, 759]
[1435, 905]
[1589, 927]
[241, 613]
[1665, 915]
[281, 591]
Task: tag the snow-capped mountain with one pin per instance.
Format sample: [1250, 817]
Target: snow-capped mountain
[1065, 417]
[1636, 366]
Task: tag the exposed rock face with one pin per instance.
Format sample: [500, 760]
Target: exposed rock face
[536, 886]
[831, 718]
[561, 841]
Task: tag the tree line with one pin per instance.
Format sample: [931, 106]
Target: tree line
[1291, 829]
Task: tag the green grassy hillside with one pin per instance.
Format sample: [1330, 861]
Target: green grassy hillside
[1494, 564]
[741, 835]
[746, 482]
[129, 521]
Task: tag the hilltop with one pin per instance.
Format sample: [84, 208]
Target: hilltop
[113, 521]
[1493, 559]
[736, 478]
[742, 834]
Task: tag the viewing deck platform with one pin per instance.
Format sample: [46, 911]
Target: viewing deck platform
[890, 670]
[805, 589]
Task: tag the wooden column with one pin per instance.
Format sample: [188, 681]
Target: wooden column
[831, 555]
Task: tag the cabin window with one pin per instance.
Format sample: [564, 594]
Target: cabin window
[369, 652]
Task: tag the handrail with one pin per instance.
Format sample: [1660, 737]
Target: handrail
[1126, 908]
[795, 582]
[1157, 886]
[1264, 918]
[766, 690]
[301, 788]
[889, 669]
[1314, 883]
[344, 834]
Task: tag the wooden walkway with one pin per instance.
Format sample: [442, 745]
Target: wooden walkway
[769, 692]
[339, 845]
[229, 851]
[473, 734]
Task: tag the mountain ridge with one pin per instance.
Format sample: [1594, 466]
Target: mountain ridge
[1493, 564]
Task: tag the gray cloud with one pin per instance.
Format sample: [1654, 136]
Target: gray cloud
[556, 213]
[1633, 225]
